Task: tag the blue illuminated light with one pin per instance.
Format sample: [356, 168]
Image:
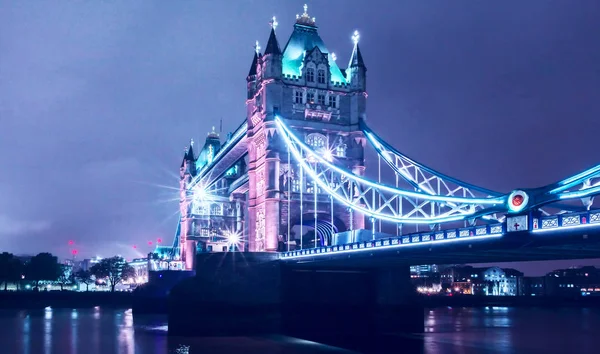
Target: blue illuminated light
[239, 134]
[581, 193]
[569, 227]
[379, 245]
[517, 201]
[577, 178]
[287, 136]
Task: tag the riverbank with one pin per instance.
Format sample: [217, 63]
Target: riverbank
[509, 301]
[158, 304]
[64, 299]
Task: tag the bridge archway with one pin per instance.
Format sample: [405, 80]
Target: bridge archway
[324, 230]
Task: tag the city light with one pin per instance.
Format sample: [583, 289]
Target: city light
[200, 192]
[233, 238]
[328, 155]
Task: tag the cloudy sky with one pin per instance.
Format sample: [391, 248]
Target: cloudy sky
[99, 98]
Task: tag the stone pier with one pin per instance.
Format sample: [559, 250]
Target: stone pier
[254, 293]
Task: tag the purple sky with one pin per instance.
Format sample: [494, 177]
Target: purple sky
[98, 99]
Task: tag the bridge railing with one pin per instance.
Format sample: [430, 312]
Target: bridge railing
[410, 240]
[566, 221]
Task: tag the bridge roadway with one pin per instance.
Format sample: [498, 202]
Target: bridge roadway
[567, 243]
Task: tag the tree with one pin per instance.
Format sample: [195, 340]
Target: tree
[114, 269]
[10, 268]
[85, 277]
[43, 266]
[66, 275]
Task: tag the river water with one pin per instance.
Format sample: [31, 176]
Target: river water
[448, 330]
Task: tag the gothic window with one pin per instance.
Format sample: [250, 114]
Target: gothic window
[316, 140]
[332, 101]
[258, 101]
[340, 148]
[295, 185]
[321, 99]
[310, 187]
[310, 97]
[321, 76]
[260, 182]
[310, 75]
[298, 96]
[215, 209]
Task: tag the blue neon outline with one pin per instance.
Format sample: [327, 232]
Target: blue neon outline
[399, 245]
[238, 135]
[580, 193]
[575, 180]
[568, 227]
[523, 206]
[376, 140]
[424, 196]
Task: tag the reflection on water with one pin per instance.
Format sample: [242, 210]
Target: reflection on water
[447, 330]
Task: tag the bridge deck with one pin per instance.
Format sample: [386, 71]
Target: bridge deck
[510, 247]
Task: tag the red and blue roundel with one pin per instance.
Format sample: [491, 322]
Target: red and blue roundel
[517, 201]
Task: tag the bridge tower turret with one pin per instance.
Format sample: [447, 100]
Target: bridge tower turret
[187, 171]
[323, 104]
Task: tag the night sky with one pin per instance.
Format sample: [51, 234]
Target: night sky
[99, 98]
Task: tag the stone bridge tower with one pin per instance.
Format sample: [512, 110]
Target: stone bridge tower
[323, 104]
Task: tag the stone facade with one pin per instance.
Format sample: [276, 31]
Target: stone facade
[303, 86]
[323, 104]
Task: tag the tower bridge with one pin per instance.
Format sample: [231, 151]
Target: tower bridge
[291, 178]
[288, 188]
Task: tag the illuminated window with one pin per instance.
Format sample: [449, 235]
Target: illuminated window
[332, 101]
[316, 140]
[310, 75]
[321, 76]
[215, 209]
[321, 98]
[298, 96]
[310, 97]
[310, 187]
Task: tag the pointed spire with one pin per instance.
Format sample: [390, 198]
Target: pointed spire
[190, 152]
[252, 71]
[356, 59]
[185, 154]
[272, 44]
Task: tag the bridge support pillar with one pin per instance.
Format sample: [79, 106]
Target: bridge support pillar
[190, 254]
[351, 308]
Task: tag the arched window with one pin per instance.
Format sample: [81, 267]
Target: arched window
[215, 209]
[316, 140]
[321, 76]
[310, 75]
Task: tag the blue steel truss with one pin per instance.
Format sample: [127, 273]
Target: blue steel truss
[382, 201]
[436, 198]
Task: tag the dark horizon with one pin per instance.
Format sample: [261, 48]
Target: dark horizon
[98, 100]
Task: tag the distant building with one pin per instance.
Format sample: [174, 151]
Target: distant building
[576, 281]
[140, 265]
[426, 278]
[535, 286]
[88, 263]
[493, 281]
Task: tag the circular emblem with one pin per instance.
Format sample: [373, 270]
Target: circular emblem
[517, 201]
